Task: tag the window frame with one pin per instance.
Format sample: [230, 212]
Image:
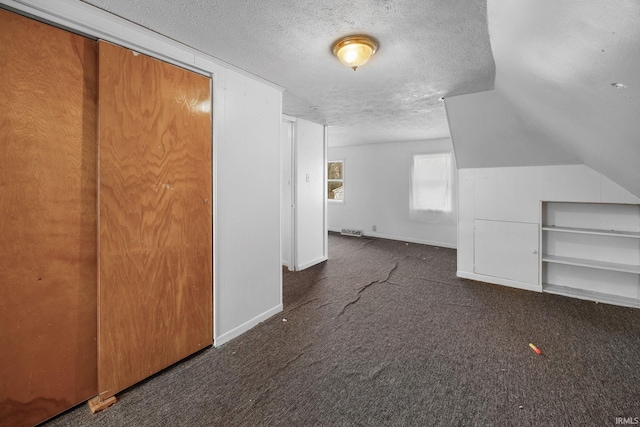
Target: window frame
[338, 201]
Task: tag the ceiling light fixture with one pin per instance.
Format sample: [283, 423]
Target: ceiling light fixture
[355, 51]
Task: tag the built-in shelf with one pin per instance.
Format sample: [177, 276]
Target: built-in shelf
[594, 231]
[578, 241]
[601, 265]
[591, 296]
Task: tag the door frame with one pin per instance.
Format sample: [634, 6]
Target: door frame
[292, 262]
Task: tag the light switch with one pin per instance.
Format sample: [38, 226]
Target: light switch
[308, 177]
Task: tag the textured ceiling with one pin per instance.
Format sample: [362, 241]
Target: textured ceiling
[428, 49]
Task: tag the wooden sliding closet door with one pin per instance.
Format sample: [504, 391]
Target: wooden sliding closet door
[155, 216]
[47, 220]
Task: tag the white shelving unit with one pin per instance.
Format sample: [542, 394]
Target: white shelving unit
[591, 251]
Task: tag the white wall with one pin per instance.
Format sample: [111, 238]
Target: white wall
[246, 147]
[247, 253]
[556, 61]
[310, 172]
[376, 192]
[512, 195]
[555, 99]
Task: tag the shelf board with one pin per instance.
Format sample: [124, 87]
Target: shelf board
[593, 231]
[601, 265]
[591, 295]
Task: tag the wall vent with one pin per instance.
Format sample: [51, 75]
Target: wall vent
[348, 232]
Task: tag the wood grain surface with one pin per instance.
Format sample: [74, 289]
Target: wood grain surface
[47, 220]
[155, 216]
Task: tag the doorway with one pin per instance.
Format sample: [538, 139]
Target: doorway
[287, 193]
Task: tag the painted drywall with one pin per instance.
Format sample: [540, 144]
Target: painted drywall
[246, 147]
[248, 271]
[557, 65]
[376, 192]
[517, 140]
[558, 61]
[309, 199]
[513, 195]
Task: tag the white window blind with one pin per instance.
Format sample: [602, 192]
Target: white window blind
[432, 182]
[431, 198]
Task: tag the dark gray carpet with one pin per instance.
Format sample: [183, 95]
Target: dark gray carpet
[384, 333]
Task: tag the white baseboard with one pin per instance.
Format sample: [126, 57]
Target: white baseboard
[311, 263]
[286, 264]
[499, 281]
[403, 239]
[235, 332]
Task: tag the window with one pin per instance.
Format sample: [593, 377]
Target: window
[335, 180]
[431, 183]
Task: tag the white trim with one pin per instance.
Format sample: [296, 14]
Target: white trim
[290, 121]
[312, 263]
[214, 195]
[281, 274]
[402, 239]
[294, 194]
[326, 178]
[217, 121]
[235, 332]
[325, 222]
[457, 173]
[499, 281]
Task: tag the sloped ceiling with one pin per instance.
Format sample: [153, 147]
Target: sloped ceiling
[428, 49]
[557, 65]
[488, 130]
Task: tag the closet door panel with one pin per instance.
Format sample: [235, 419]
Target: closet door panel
[47, 220]
[155, 216]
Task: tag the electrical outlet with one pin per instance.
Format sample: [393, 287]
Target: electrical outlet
[374, 228]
